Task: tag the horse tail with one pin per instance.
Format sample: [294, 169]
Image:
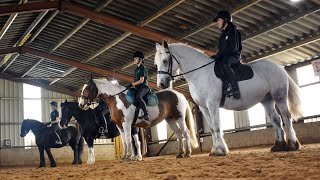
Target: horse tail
[80, 146]
[191, 127]
[294, 100]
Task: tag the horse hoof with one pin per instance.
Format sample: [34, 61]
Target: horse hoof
[219, 152]
[293, 146]
[53, 165]
[187, 156]
[41, 166]
[179, 156]
[279, 146]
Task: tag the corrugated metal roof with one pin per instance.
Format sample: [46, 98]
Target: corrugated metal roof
[266, 27]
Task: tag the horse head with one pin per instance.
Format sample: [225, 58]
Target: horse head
[166, 67]
[25, 128]
[67, 111]
[88, 94]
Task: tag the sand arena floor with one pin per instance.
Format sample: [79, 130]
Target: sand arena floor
[254, 163]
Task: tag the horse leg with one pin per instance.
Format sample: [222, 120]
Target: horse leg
[221, 148]
[42, 160]
[186, 134]
[80, 150]
[124, 145]
[293, 142]
[280, 143]
[206, 114]
[138, 146]
[91, 158]
[127, 135]
[75, 153]
[174, 126]
[52, 161]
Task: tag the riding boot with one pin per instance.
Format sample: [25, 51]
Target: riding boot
[58, 142]
[144, 109]
[232, 79]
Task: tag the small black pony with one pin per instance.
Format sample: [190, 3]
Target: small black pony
[45, 140]
[89, 126]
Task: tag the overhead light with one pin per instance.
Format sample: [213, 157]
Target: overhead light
[53, 69]
[114, 82]
[295, 0]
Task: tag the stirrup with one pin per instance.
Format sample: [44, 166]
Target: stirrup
[145, 117]
[58, 142]
[102, 130]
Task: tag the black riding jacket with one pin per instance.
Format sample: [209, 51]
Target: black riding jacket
[229, 43]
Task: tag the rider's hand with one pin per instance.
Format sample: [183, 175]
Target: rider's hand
[128, 86]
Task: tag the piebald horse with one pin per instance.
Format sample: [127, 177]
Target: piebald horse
[270, 85]
[172, 106]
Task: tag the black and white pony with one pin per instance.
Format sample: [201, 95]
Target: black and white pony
[45, 140]
[89, 126]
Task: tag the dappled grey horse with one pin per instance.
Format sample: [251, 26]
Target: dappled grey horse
[270, 85]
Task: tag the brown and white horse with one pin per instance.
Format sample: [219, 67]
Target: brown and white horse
[172, 106]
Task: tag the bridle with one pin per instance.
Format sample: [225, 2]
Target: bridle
[169, 71]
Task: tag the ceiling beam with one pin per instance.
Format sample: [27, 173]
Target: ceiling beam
[10, 21]
[210, 23]
[195, 30]
[123, 36]
[86, 67]
[71, 33]
[22, 40]
[41, 84]
[35, 35]
[125, 26]
[308, 38]
[289, 19]
[29, 7]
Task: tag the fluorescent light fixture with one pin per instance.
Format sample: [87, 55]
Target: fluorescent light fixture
[295, 0]
[53, 69]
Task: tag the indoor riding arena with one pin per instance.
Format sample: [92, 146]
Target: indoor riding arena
[74, 105]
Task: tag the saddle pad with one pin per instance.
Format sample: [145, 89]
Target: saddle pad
[242, 72]
[151, 99]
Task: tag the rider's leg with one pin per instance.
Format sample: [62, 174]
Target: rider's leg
[55, 127]
[139, 95]
[232, 79]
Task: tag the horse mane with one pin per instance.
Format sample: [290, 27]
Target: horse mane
[198, 51]
[110, 86]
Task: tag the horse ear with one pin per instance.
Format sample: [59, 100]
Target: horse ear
[165, 44]
[158, 46]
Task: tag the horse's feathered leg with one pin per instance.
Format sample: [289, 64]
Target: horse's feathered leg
[280, 143]
[293, 142]
[127, 135]
[186, 134]
[138, 146]
[52, 161]
[124, 145]
[220, 148]
[174, 126]
[91, 158]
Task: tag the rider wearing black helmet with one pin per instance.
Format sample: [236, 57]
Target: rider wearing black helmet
[140, 83]
[230, 47]
[54, 117]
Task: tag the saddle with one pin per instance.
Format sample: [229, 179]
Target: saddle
[150, 98]
[241, 71]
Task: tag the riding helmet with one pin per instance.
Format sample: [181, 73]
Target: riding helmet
[53, 103]
[138, 54]
[225, 15]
